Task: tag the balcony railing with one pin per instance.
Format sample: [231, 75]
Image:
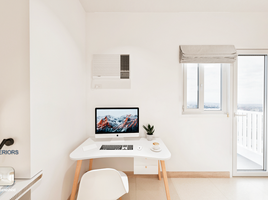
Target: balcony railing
[250, 136]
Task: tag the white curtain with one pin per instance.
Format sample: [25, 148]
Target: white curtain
[207, 54]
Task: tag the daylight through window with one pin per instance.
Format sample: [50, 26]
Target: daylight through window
[205, 88]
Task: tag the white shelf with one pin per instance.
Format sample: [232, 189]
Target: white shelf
[20, 187]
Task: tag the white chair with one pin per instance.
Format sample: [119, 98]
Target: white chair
[103, 184]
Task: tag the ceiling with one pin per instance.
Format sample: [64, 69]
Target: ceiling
[175, 5]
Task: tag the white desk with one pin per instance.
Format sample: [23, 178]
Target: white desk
[80, 154]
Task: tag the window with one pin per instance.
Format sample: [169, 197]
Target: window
[205, 88]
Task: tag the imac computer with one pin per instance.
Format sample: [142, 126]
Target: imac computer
[116, 122]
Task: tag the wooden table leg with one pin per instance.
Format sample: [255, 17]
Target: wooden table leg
[165, 178]
[90, 164]
[159, 172]
[76, 177]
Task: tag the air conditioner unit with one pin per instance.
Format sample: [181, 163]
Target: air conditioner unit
[110, 71]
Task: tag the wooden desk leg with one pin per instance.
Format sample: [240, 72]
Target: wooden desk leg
[165, 178]
[159, 172]
[76, 177]
[90, 164]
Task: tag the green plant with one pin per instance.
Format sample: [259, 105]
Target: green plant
[150, 129]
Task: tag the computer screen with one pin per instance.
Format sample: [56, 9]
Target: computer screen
[117, 122]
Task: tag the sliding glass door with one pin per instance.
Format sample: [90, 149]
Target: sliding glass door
[250, 99]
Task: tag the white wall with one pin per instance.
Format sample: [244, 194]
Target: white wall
[15, 84]
[152, 40]
[58, 92]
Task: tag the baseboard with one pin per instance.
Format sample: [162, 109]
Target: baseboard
[183, 175]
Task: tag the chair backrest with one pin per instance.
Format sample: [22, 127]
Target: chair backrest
[101, 184]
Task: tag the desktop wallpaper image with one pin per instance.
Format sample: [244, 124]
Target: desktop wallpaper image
[117, 121]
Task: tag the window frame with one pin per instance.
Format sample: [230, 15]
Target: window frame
[200, 110]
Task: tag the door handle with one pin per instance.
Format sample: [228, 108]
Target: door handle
[240, 115]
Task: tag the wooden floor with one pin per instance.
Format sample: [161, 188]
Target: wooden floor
[199, 189]
[149, 189]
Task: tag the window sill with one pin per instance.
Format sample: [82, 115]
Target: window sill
[205, 115]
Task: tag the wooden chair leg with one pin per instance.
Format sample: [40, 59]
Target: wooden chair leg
[159, 172]
[76, 177]
[90, 164]
[120, 198]
[165, 178]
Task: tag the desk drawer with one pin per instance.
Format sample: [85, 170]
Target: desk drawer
[145, 166]
[145, 169]
[145, 162]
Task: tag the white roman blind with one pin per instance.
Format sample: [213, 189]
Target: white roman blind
[207, 54]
